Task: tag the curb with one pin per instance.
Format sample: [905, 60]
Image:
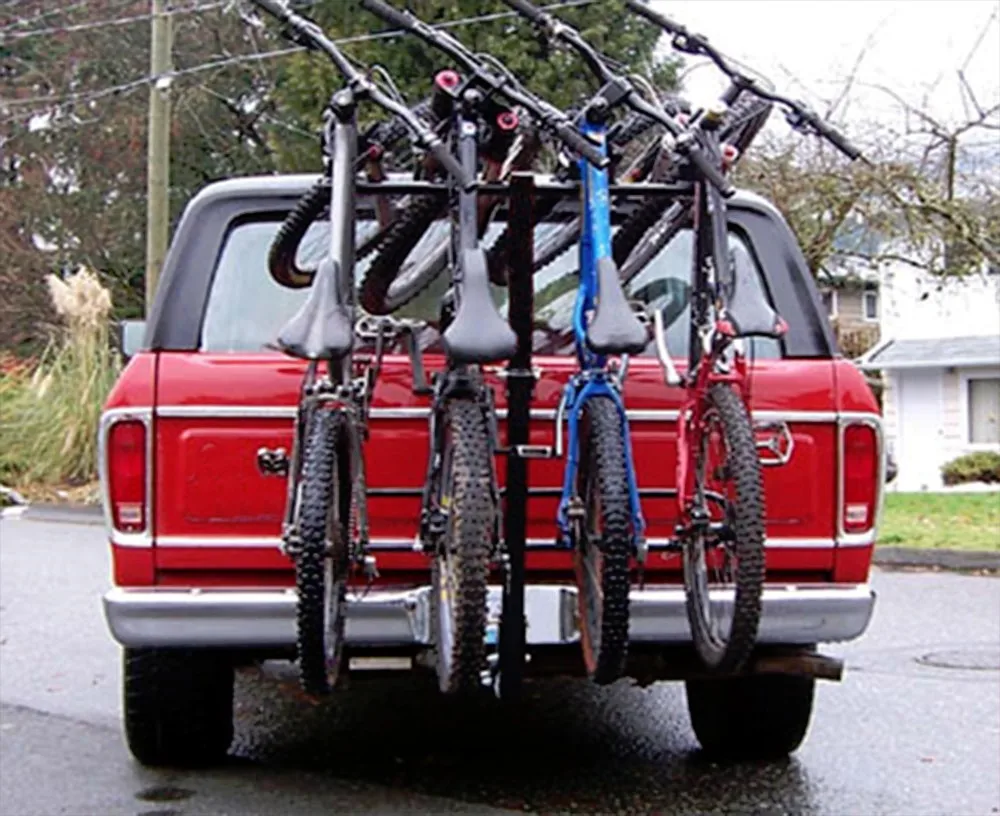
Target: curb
[940, 559]
[91, 514]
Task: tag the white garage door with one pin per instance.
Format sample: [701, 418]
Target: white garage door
[920, 430]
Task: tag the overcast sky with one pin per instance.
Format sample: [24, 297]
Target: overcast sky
[806, 46]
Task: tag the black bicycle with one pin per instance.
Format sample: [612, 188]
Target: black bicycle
[460, 518]
[325, 529]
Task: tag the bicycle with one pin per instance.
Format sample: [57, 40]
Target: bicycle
[720, 497]
[325, 525]
[460, 516]
[599, 515]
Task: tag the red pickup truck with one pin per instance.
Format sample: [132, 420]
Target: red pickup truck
[194, 521]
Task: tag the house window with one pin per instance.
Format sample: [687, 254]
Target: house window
[984, 411]
[829, 298]
[869, 303]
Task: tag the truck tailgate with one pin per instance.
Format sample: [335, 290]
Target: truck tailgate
[214, 510]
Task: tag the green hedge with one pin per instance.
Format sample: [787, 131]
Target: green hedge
[982, 466]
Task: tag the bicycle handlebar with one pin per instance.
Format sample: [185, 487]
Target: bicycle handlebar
[554, 27]
[550, 117]
[312, 36]
[597, 63]
[800, 116]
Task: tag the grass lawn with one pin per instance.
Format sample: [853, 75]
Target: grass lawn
[958, 521]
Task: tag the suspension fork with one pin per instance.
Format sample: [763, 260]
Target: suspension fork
[574, 398]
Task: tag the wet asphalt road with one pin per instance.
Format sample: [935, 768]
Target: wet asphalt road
[900, 735]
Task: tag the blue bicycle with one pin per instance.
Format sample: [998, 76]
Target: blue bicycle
[599, 513]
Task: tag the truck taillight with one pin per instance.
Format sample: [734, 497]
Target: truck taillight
[126, 452]
[860, 474]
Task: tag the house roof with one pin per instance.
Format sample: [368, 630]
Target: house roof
[933, 353]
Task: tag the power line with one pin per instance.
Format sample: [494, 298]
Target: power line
[120, 21]
[44, 14]
[234, 105]
[128, 87]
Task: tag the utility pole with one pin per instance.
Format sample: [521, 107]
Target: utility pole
[158, 156]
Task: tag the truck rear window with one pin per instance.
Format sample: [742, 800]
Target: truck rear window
[246, 308]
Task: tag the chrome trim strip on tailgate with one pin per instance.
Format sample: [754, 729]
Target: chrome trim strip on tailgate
[794, 614]
[636, 414]
[254, 542]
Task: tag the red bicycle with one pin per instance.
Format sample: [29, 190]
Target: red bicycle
[720, 492]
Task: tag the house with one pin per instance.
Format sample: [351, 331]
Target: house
[852, 302]
[939, 357]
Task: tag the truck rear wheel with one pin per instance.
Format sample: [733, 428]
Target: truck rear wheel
[762, 716]
[178, 706]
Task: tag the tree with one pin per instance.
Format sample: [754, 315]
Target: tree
[305, 81]
[74, 105]
[925, 196]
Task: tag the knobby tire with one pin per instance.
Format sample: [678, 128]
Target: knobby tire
[468, 499]
[601, 556]
[323, 512]
[727, 652]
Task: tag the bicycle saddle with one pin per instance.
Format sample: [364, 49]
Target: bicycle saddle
[614, 329]
[748, 312]
[322, 328]
[477, 334]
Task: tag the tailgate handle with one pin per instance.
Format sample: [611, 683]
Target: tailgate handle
[774, 443]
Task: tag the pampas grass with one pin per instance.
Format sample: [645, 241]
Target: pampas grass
[49, 412]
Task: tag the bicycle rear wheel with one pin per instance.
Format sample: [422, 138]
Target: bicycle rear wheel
[724, 560]
[461, 567]
[601, 554]
[321, 563]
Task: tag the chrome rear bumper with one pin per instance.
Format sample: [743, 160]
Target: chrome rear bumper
[265, 618]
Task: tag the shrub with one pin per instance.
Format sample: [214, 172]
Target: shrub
[49, 410]
[982, 466]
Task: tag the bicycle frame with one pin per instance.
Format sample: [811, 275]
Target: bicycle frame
[458, 381]
[594, 379]
[709, 338]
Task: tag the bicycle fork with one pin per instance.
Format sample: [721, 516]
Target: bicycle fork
[571, 511]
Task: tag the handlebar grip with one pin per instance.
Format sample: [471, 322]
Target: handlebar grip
[581, 145]
[640, 8]
[439, 150]
[380, 8]
[711, 173]
[525, 8]
[837, 139]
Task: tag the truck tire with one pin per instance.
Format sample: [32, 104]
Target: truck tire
[601, 555]
[178, 706]
[762, 716]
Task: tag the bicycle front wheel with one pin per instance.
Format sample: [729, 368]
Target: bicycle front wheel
[724, 560]
[321, 563]
[461, 567]
[603, 545]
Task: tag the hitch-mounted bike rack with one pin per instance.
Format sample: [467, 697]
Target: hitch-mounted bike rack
[520, 385]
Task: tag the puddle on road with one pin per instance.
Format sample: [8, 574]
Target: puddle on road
[965, 659]
[164, 793]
